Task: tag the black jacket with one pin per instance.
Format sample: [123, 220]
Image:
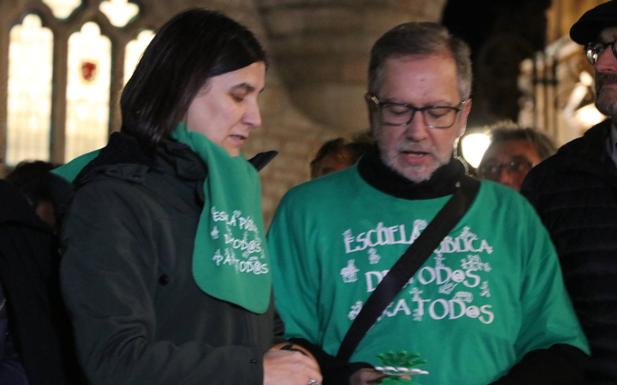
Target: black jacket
[575, 194]
[139, 317]
[29, 273]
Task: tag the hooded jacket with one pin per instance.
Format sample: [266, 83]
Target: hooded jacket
[29, 261]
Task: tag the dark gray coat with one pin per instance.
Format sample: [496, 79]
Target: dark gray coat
[126, 275]
[575, 194]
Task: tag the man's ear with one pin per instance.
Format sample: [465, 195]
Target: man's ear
[464, 114]
[373, 111]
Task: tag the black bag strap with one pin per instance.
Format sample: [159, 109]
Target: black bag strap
[407, 265]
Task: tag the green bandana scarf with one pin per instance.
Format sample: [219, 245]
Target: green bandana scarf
[230, 259]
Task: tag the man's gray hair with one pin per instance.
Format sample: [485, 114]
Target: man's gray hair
[507, 131]
[420, 38]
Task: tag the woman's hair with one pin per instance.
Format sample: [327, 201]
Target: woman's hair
[189, 49]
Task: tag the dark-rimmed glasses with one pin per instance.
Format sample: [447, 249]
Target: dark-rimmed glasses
[594, 50]
[492, 170]
[401, 114]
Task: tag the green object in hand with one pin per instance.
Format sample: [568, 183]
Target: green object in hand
[401, 359]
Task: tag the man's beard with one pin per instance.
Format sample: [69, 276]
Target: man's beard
[606, 97]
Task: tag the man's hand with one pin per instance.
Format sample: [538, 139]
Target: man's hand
[288, 367]
[366, 376]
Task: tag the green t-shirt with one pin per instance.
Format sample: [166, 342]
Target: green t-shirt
[490, 293]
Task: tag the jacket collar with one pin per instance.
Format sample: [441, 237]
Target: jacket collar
[125, 157]
[589, 153]
[590, 150]
[592, 145]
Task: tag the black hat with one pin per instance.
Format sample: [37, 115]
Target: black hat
[589, 26]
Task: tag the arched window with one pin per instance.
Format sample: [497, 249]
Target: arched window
[134, 49]
[65, 63]
[62, 8]
[87, 92]
[119, 12]
[29, 91]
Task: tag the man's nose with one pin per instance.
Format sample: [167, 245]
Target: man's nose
[417, 129]
[607, 62]
[510, 178]
[505, 176]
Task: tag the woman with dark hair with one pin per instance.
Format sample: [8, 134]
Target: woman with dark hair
[165, 271]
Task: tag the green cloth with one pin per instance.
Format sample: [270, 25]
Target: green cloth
[70, 170]
[490, 293]
[230, 259]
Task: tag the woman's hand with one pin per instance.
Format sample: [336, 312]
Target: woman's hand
[293, 366]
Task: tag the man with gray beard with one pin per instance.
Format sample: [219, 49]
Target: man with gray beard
[488, 306]
[575, 194]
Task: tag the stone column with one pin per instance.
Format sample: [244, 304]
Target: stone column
[322, 49]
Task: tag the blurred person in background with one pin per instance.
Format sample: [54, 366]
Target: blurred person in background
[36, 341]
[48, 194]
[512, 153]
[337, 154]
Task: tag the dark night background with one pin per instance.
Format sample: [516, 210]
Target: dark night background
[501, 33]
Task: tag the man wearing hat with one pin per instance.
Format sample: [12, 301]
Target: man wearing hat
[575, 193]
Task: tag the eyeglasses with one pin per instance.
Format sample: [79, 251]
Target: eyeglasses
[594, 50]
[401, 114]
[492, 170]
